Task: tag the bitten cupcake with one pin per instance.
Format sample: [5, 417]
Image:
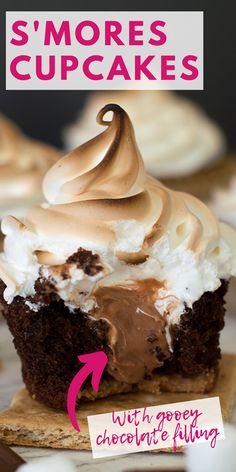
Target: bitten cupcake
[179, 143]
[23, 164]
[115, 261]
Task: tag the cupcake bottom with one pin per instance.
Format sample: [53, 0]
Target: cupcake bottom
[49, 341]
[201, 183]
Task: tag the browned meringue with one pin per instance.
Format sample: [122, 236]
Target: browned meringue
[23, 164]
[103, 182]
[108, 166]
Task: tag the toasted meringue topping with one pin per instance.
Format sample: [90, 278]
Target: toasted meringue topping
[100, 199]
[107, 167]
[103, 183]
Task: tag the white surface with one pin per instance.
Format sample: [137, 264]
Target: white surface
[222, 457]
[10, 381]
[57, 463]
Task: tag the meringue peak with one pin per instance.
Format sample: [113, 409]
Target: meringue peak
[108, 166]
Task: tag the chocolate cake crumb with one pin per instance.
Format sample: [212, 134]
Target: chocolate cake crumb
[86, 260]
[45, 292]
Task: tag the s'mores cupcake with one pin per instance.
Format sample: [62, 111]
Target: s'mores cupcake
[23, 164]
[114, 261]
[223, 203]
[180, 144]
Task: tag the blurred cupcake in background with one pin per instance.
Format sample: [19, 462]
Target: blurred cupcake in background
[180, 144]
[223, 203]
[23, 163]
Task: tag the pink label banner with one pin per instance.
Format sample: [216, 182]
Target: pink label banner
[156, 427]
[104, 50]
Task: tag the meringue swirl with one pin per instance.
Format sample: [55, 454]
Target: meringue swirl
[103, 182]
[100, 199]
[23, 164]
[108, 166]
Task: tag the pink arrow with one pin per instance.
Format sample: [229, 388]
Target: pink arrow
[95, 363]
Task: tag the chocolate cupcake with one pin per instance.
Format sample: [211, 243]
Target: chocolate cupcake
[115, 261]
[223, 203]
[180, 144]
[206, 181]
[23, 164]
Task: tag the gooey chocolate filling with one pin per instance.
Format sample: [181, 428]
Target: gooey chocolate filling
[136, 329]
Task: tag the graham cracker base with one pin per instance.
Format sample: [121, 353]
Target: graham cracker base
[28, 423]
[174, 383]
